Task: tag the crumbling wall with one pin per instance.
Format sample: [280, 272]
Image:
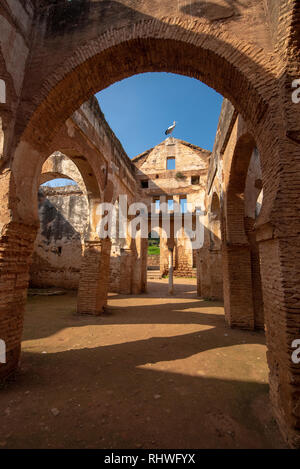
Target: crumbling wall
[16, 18]
[63, 213]
[153, 261]
[59, 245]
[188, 180]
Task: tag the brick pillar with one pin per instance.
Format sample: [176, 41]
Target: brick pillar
[216, 275]
[126, 272]
[94, 277]
[16, 247]
[280, 244]
[139, 261]
[136, 261]
[202, 266]
[258, 306]
[280, 270]
[144, 262]
[238, 300]
[164, 255]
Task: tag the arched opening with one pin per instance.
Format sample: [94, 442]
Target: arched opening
[215, 250]
[209, 257]
[253, 199]
[215, 223]
[244, 187]
[153, 257]
[64, 226]
[171, 55]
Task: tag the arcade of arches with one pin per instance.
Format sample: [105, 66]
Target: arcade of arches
[55, 56]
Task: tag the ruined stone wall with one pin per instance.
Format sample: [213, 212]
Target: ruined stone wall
[188, 180]
[210, 261]
[235, 180]
[253, 203]
[63, 213]
[58, 257]
[153, 261]
[249, 52]
[117, 166]
[16, 19]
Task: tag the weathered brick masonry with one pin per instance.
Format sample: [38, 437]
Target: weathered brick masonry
[55, 55]
[186, 182]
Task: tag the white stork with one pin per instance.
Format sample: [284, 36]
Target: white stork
[170, 129]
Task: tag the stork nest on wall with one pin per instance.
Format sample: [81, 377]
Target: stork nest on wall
[180, 176]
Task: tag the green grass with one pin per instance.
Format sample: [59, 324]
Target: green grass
[153, 250]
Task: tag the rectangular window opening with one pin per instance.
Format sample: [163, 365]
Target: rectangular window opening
[171, 165]
[171, 205]
[157, 205]
[183, 204]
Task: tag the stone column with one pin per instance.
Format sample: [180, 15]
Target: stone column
[94, 277]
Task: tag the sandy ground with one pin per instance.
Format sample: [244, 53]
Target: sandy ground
[156, 372]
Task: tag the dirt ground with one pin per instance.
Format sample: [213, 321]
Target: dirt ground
[155, 372]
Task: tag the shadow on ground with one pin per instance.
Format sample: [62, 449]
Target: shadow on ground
[154, 374]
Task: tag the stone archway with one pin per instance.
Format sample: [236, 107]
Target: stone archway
[86, 170]
[131, 42]
[216, 279]
[64, 217]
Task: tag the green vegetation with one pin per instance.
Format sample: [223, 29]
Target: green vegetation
[153, 244]
[180, 175]
[153, 250]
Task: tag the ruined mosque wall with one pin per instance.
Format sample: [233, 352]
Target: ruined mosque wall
[57, 259]
[16, 20]
[64, 211]
[209, 257]
[233, 200]
[188, 180]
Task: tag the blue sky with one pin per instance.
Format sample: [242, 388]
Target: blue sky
[139, 110]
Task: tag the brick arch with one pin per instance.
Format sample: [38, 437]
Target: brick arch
[242, 72]
[53, 168]
[215, 222]
[28, 163]
[241, 260]
[239, 71]
[215, 204]
[82, 173]
[230, 66]
[50, 176]
[235, 203]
